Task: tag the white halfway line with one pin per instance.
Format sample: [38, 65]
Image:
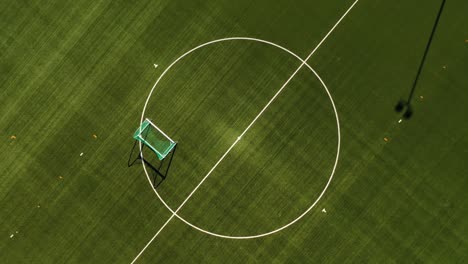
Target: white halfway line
[245, 131]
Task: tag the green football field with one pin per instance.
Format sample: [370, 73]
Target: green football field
[289, 149]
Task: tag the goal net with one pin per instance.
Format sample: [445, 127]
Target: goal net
[154, 138]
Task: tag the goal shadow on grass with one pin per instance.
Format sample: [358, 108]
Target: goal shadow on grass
[158, 168]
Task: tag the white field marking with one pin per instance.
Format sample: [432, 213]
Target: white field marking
[323, 191]
[304, 62]
[155, 65]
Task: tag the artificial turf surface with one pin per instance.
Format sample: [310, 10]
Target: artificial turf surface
[71, 70]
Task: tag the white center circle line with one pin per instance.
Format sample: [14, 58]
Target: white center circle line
[304, 63]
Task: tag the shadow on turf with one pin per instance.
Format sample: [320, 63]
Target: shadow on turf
[135, 158]
[405, 106]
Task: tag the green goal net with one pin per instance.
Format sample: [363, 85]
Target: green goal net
[154, 138]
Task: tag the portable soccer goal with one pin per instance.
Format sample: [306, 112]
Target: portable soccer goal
[154, 138]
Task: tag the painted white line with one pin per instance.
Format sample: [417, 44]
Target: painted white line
[157, 233]
[332, 29]
[304, 62]
[298, 69]
[329, 179]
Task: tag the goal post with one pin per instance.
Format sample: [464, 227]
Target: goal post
[154, 138]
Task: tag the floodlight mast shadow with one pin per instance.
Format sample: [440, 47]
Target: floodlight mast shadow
[402, 104]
